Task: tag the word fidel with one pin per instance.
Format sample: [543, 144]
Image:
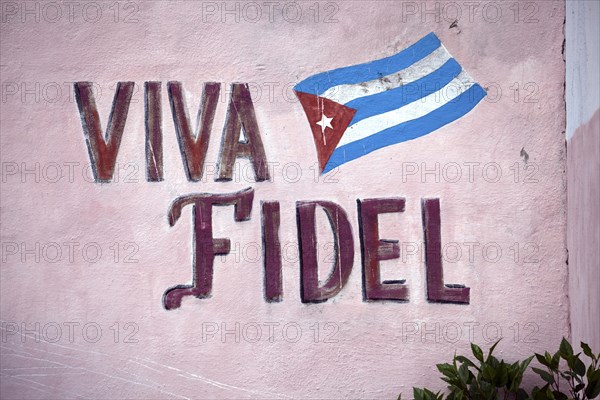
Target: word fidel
[373, 249]
[103, 151]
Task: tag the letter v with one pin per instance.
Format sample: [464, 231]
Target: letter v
[103, 149]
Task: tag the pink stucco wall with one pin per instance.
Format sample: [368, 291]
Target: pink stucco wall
[363, 350]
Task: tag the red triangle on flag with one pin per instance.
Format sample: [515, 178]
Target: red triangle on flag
[328, 121]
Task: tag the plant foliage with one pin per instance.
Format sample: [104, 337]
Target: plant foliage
[488, 378]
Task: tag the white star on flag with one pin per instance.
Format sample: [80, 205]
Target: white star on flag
[325, 122]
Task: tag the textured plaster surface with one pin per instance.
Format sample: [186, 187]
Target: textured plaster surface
[370, 355]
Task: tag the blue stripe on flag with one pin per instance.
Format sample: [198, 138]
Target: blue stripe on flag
[319, 83]
[395, 98]
[409, 130]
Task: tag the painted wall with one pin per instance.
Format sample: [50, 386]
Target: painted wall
[85, 265]
[583, 166]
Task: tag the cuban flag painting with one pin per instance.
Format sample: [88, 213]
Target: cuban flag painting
[353, 111]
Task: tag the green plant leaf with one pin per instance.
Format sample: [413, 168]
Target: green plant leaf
[587, 351]
[418, 393]
[593, 373]
[548, 358]
[555, 361]
[566, 350]
[542, 360]
[465, 360]
[477, 352]
[579, 367]
[463, 373]
[545, 375]
[525, 363]
[448, 370]
[570, 361]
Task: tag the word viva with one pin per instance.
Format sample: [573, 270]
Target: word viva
[373, 249]
[193, 144]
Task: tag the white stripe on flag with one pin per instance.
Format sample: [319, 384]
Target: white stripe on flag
[414, 110]
[345, 93]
